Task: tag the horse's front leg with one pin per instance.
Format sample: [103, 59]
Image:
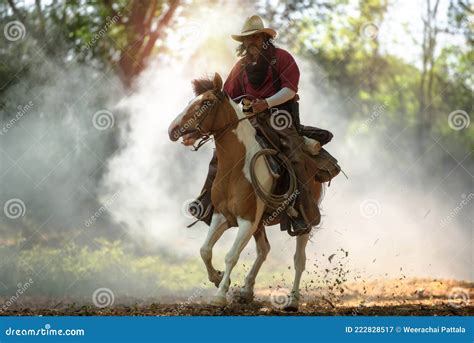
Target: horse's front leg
[216, 229]
[263, 248]
[246, 230]
[300, 264]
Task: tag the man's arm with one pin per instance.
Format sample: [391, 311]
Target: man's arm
[282, 96]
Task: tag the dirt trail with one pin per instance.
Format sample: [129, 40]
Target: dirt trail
[403, 297]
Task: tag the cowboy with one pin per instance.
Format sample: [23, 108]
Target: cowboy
[269, 77]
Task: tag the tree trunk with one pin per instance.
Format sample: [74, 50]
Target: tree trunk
[141, 38]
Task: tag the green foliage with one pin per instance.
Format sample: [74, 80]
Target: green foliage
[359, 69]
[78, 270]
[114, 35]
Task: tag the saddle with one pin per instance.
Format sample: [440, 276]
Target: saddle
[325, 166]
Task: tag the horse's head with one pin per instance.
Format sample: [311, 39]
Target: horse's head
[198, 118]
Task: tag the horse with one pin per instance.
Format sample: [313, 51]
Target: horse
[213, 113]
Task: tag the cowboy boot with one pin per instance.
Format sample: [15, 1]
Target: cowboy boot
[302, 224]
[305, 203]
[202, 208]
[308, 210]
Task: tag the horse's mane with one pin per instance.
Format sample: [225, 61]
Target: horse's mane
[202, 85]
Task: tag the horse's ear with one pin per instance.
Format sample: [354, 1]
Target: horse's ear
[217, 82]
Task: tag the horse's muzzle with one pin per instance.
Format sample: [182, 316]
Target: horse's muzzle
[174, 133]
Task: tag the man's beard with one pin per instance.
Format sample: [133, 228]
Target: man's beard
[257, 72]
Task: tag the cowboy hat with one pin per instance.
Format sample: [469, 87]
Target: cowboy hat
[252, 25]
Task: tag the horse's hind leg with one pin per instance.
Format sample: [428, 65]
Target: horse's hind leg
[246, 230]
[263, 248]
[216, 229]
[300, 263]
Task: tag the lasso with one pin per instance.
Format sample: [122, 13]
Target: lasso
[273, 201]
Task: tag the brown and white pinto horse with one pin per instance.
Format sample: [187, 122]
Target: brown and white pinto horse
[235, 202]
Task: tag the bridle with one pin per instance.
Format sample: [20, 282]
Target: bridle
[216, 133]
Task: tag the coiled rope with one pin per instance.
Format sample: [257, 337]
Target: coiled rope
[273, 201]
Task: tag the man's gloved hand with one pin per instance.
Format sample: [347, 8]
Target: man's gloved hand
[259, 105]
[247, 105]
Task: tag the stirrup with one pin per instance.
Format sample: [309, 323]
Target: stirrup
[202, 213]
[298, 227]
[292, 213]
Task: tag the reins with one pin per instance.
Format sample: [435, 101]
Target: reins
[206, 137]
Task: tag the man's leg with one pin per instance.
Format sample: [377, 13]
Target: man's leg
[202, 208]
[293, 148]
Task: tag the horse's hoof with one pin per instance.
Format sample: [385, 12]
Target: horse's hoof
[217, 282]
[244, 297]
[217, 278]
[219, 300]
[292, 305]
[291, 308]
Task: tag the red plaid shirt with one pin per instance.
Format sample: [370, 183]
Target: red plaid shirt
[286, 68]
